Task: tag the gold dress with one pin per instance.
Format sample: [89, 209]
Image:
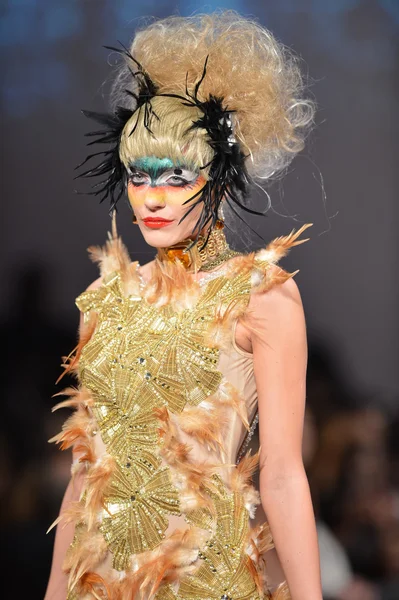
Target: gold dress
[164, 403]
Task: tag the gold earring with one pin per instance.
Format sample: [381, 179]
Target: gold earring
[220, 218]
[134, 219]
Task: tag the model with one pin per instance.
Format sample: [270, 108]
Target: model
[179, 359]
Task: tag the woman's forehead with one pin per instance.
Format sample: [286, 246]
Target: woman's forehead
[150, 163]
[157, 164]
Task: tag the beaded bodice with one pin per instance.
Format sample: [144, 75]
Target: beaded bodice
[158, 424]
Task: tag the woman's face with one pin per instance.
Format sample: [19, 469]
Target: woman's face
[157, 190]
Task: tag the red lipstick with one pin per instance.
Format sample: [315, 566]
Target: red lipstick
[156, 222]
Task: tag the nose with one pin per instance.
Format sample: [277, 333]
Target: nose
[155, 198]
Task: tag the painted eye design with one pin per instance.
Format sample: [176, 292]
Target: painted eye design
[138, 178]
[176, 180]
[181, 178]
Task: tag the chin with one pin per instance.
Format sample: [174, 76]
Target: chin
[159, 238]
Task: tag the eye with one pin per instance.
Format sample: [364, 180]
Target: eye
[137, 178]
[176, 180]
[180, 177]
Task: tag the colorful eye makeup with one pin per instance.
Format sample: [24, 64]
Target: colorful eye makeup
[157, 172]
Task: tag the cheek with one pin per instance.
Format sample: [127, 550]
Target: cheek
[173, 195]
[136, 195]
[177, 196]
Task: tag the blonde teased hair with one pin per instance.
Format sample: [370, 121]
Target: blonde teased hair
[171, 138]
[258, 77]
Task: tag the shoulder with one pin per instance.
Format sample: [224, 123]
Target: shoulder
[277, 310]
[95, 285]
[279, 294]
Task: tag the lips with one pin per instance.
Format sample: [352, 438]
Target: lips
[156, 220]
[156, 223]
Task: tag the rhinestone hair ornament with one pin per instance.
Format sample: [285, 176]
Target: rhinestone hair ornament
[228, 175]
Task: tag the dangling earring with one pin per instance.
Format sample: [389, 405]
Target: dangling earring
[220, 220]
[134, 219]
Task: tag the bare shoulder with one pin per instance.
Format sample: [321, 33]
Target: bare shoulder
[96, 284]
[281, 294]
[279, 309]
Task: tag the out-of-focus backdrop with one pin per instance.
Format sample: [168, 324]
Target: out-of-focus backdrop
[345, 183]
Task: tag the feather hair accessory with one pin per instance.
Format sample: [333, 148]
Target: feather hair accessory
[111, 166]
[227, 176]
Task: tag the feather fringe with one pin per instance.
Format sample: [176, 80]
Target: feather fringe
[280, 246]
[172, 284]
[219, 331]
[172, 559]
[76, 397]
[71, 362]
[114, 256]
[74, 513]
[78, 425]
[282, 592]
[205, 425]
[83, 557]
[78, 430]
[196, 477]
[94, 584]
[97, 479]
[228, 395]
[241, 481]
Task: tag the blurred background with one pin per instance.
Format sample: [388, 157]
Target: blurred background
[345, 183]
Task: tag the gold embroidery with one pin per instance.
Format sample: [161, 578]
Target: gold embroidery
[151, 350]
[136, 508]
[225, 571]
[142, 357]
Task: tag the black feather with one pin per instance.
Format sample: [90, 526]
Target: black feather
[228, 175]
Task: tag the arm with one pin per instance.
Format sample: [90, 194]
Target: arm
[280, 362]
[57, 585]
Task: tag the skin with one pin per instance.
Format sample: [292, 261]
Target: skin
[277, 339]
[158, 188]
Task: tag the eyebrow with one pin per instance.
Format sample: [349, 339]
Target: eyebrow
[155, 167]
[152, 163]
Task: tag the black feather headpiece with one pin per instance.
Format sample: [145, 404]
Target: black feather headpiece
[111, 166]
[228, 176]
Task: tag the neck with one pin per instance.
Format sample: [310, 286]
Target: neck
[200, 258]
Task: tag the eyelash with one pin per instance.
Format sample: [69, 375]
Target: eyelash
[181, 181]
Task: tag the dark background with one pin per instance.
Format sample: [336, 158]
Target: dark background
[345, 183]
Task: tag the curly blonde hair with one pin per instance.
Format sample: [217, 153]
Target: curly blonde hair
[258, 78]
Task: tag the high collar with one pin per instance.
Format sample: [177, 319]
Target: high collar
[200, 258]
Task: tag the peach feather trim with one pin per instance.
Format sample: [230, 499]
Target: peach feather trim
[77, 426]
[77, 397]
[77, 432]
[280, 246]
[242, 475]
[84, 556]
[89, 584]
[197, 476]
[73, 513]
[172, 559]
[218, 334]
[282, 592]
[171, 283]
[241, 481]
[113, 256]
[70, 363]
[97, 479]
[264, 277]
[257, 577]
[207, 425]
[263, 538]
[228, 395]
